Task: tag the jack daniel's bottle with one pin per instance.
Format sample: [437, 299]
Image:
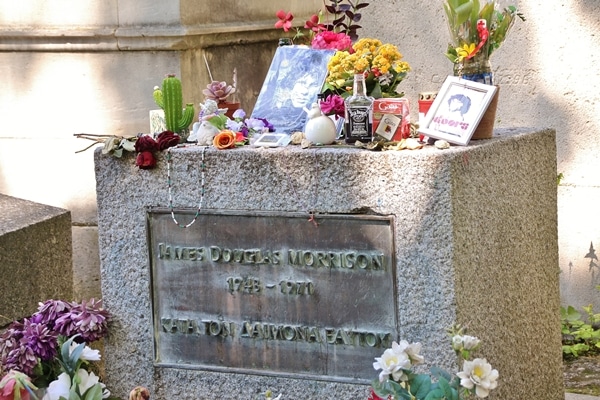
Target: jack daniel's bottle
[359, 113]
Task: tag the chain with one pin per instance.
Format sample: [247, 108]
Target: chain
[170, 184]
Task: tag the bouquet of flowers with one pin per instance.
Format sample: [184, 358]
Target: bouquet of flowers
[381, 63]
[397, 380]
[476, 32]
[46, 356]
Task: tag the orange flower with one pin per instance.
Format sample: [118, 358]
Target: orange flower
[224, 139]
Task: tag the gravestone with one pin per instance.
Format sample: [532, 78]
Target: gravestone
[36, 262]
[303, 264]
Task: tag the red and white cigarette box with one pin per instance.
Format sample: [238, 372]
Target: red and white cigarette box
[391, 118]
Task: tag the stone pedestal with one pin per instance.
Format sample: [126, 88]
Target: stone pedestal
[36, 256]
[475, 243]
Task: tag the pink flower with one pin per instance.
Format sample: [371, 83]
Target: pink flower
[285, 20]
[332, 40]
[314, 25]
[333, 104]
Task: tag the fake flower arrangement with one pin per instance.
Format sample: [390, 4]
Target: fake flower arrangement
[476, 31]
[397, 380]
[46, 356]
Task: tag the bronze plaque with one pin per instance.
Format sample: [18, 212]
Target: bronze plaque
[273, 293]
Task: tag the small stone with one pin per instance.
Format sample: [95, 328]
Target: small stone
[441, 144]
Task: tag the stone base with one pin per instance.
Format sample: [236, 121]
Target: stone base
[475, 243]
[36, 259]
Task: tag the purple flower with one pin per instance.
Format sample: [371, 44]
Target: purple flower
[235, 126]
[50, 310]
[239, 114]
[40, 340]
[88, 319]
[21, 358]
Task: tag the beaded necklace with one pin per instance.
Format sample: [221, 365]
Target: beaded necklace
[170, 183]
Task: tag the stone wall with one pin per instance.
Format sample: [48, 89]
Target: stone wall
[36, 260]
[470, 248]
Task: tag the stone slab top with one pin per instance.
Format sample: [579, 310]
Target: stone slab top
[18, 213]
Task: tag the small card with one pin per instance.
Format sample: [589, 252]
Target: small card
[272, 140]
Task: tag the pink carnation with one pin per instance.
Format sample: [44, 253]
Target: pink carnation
[333, 104]
[332, 40]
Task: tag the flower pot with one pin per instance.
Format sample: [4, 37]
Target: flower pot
[231, 107]
[476, 69]
[485, 129]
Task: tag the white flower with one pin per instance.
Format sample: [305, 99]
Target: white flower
[479, 374]
[470, 342]
[412, 351]
[86, 380]
[87, 354]
[465, 342]
[392, 362]
[59, 387]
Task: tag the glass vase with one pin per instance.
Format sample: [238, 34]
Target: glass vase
[477, 69]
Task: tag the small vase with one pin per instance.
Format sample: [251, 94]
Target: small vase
[477, 69]
[231, 107]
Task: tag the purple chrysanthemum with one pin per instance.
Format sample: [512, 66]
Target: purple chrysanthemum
[10, 340]
[50, 310]
[41, 340]
[88, 319]
[21, 358]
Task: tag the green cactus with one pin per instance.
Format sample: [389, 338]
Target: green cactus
[170, 100]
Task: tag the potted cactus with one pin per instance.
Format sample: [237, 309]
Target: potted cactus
[170, 99]
[219, 91]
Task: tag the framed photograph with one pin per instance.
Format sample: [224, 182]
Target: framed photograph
[292, 85]
[457, 110]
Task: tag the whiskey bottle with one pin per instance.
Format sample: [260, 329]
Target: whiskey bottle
[359, 113]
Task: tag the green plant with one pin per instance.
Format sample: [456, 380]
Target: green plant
[579, 337]
[170, 99]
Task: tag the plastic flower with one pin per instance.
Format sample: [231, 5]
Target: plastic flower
[478, 374]
[89, 320]
[88, 354]
[392, 362]
[58, 388]
[314, 24]
[16, 385]
[466, 51]
[224, 140]
[285, 20]
[411, 349]
[40, 340]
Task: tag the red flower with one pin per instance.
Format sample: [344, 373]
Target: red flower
[373, 396]
[145, 160]
[314, 25]
[332, 40]
[285, 20]
[145, 143]
[167, 139]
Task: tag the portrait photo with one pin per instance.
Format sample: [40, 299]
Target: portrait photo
[457, 110]
[293, 83]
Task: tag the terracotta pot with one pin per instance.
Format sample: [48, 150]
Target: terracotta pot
[231, 107]
[485, 129]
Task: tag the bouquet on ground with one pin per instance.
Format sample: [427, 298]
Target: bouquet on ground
[398, 381]
[46, 356]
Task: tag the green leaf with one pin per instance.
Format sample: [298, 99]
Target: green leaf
[420, 386]
[437, 394]
[94, 393]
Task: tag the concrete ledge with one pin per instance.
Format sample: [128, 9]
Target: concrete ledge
[475, 244]
[35, 258]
